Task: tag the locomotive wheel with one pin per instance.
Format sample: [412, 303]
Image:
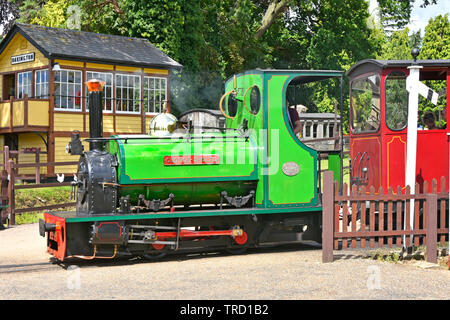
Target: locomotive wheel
[154, 255]
[241, 241]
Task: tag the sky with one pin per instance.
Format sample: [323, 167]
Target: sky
[421, 16]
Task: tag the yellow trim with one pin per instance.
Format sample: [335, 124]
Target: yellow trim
[38, 113]
[128, 69]
[5, 115]
[68, 121]
[387, 150]
[99, 66]
[157, 71]
[18, 113]
[128, 124]
[70, 63]
[377, 138]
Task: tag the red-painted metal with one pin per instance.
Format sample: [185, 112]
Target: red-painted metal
[191, 160]
[193, 234]
[58, 236]
[387, 148]
[242, 239]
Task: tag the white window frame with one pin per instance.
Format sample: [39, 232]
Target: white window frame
[39, 86]
[102, 76]
[67, 96]
[24, 87]
[125, 88]
[147, 91]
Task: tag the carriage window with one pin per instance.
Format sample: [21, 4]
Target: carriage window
[365, 104]
[433, 117]
[396, 101]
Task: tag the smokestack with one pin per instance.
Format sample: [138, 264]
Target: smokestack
[95, 88]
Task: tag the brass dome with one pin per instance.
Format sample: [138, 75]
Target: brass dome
[163, 125]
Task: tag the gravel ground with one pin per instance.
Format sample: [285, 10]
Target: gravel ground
[287, 272]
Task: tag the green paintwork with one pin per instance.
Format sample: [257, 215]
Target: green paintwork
[141, 168]
[334, 164]
[271, 145]
[189, 193]
[142, 161]
[276, 140]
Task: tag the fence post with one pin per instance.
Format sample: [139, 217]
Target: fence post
[327, 217]
[38, 167]
[11, 181]
[431, 228]
[5, 155]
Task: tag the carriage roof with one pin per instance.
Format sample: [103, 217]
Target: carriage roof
[372, 65]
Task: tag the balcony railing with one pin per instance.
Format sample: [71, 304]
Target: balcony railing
[24, 114]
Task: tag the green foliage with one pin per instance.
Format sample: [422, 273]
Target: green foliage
[397, 46]
[436, 45]
[396, 101]
[436, 42]
[52, 14]
[395, 14]
[29, 9]
[31, 198]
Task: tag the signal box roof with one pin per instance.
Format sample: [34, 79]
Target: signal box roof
[372, 65]
[57, 43]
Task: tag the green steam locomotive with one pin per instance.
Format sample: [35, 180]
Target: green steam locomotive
[250, 183]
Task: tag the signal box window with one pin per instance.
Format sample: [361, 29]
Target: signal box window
[23, 84]
[68, 90]
[107, 89]
[128, 93]
[365, 104]
[396, 101]
[41, 84]
[155, 93]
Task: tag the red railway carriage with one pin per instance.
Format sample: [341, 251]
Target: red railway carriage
[379, 119]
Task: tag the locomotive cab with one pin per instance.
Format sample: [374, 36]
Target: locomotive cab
[379, 122]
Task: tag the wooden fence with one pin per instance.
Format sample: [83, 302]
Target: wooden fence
[9, 176]
[368, 216]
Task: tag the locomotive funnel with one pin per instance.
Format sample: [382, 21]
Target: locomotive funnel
[95, 88]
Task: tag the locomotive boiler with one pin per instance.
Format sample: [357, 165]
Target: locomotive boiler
[249, 184]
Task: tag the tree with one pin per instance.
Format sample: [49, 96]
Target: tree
[436, 45]
[436, 42]
[397, 47]
[52, 14]
[8, 14]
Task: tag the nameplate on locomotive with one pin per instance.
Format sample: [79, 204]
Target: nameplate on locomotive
[290, 168]
[191, 160]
